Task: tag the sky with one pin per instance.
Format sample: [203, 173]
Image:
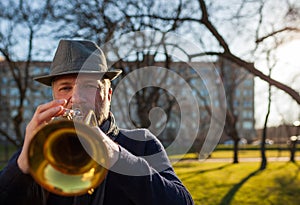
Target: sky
[287, 70]
[283, 108]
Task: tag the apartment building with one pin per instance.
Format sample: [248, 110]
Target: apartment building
[10, 95]
[238, 84]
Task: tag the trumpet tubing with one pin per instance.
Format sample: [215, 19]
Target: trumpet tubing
[68, 158]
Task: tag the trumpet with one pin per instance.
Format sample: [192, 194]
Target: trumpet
[67, 157]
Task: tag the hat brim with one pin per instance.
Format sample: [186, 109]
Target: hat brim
[47, 79]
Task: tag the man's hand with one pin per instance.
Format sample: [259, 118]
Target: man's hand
[43, 114]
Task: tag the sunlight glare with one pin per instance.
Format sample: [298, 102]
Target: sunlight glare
[289, 52]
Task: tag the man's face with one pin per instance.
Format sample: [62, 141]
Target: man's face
[84, 92]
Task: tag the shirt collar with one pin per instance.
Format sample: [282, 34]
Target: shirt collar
[110, 127]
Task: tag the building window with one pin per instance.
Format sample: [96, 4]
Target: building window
[248, 82]
[248, 125]
[247, 104]
[247, 114]
[236, 103]
[247, 92]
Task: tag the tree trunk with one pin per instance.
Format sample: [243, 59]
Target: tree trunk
[236, 151]
[293, 149]
[263, 164]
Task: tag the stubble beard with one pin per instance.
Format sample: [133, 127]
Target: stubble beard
[102, 112]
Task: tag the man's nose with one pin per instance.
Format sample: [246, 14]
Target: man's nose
[75, 96]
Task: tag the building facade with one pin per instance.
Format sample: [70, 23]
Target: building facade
[12, 100]
[238, 85]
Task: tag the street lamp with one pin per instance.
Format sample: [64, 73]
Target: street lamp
[294, 139]
[296, 123]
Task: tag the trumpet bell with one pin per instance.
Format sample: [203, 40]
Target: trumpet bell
[67, 158]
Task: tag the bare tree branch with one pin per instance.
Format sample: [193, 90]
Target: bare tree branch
[285, 29]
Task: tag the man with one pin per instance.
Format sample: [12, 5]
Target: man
[80, 79]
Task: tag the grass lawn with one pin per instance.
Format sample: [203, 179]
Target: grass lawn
[224, 183]
[239, 184]
[219, 154]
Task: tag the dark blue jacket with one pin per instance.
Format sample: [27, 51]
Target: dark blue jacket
[142, 175]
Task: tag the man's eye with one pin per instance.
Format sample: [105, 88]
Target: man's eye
[65, 88]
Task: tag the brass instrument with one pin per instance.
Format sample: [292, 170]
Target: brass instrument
[67, 157]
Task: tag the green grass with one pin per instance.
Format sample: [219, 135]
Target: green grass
[224, 183]
[235, 184]
[243, 153]
[251, 153]
[253, 147]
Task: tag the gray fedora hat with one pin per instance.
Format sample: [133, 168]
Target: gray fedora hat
[78, 56]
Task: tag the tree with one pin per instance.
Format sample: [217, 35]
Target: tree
[224, 47]
[206, 22]
[230, 56]
[105, 22]
[223, 44]
[264, 134]
[19, 18]
[232, 77]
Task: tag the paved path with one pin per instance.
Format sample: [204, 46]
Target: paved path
[252, 159]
